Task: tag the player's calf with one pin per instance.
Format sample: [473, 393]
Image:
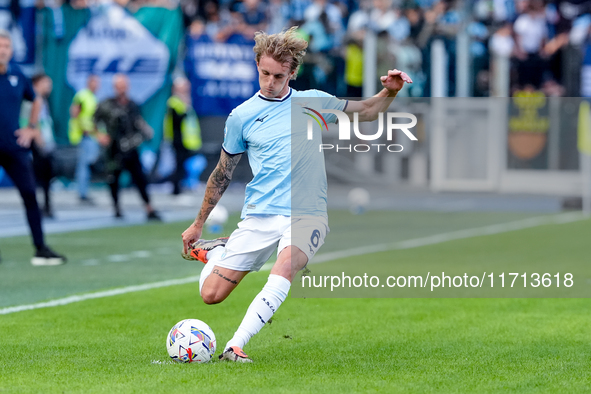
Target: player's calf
[289, 262]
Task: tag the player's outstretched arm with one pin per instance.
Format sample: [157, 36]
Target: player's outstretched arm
[217, 184]
[369, 109]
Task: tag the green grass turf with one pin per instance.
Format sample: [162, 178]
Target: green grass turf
[543, 250]
[117, 344]
[122, 256]
[312, 345]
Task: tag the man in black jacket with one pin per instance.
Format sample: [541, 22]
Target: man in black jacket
[126, 129]
[15, 143]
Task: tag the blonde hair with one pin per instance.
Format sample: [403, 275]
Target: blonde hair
[284, 47]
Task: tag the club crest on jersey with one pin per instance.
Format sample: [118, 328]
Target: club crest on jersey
[13, 79]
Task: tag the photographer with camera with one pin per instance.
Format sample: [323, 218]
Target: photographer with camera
[126, 130]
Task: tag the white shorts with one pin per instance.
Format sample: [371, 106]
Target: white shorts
[257, 236]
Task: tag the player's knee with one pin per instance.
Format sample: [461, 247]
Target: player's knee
[209, 299]
[211, 296]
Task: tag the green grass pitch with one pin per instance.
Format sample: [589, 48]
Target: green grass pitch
[117, 344]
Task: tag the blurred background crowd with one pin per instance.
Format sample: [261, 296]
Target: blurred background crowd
[543, 39]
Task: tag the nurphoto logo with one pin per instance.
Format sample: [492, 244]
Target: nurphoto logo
[345, 130]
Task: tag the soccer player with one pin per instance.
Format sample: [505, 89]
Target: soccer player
[15, 143]
[261, 127]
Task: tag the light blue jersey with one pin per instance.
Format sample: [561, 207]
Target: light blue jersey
[262, 127]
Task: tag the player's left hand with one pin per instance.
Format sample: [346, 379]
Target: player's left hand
[25, 136]
[191, 235]
[395, 80]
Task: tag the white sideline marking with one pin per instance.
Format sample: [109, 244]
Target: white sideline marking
[121, 258]
[322, 258]
[100, 294]
[454, 235]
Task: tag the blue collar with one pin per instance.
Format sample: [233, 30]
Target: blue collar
[276, 100]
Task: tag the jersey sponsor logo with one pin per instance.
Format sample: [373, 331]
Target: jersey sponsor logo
[261, 119]
[13, 79]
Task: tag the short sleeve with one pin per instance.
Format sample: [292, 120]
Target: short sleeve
[233, 138]
[28, 92]
[331, 102]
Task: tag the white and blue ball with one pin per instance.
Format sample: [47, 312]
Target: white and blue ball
[358, 199]
[191, 341]
[217, 219]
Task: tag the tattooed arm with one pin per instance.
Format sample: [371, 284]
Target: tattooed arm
[217, 184]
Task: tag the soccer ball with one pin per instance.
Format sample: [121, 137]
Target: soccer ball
[190, 341]
[217, 219]
[358, 200]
